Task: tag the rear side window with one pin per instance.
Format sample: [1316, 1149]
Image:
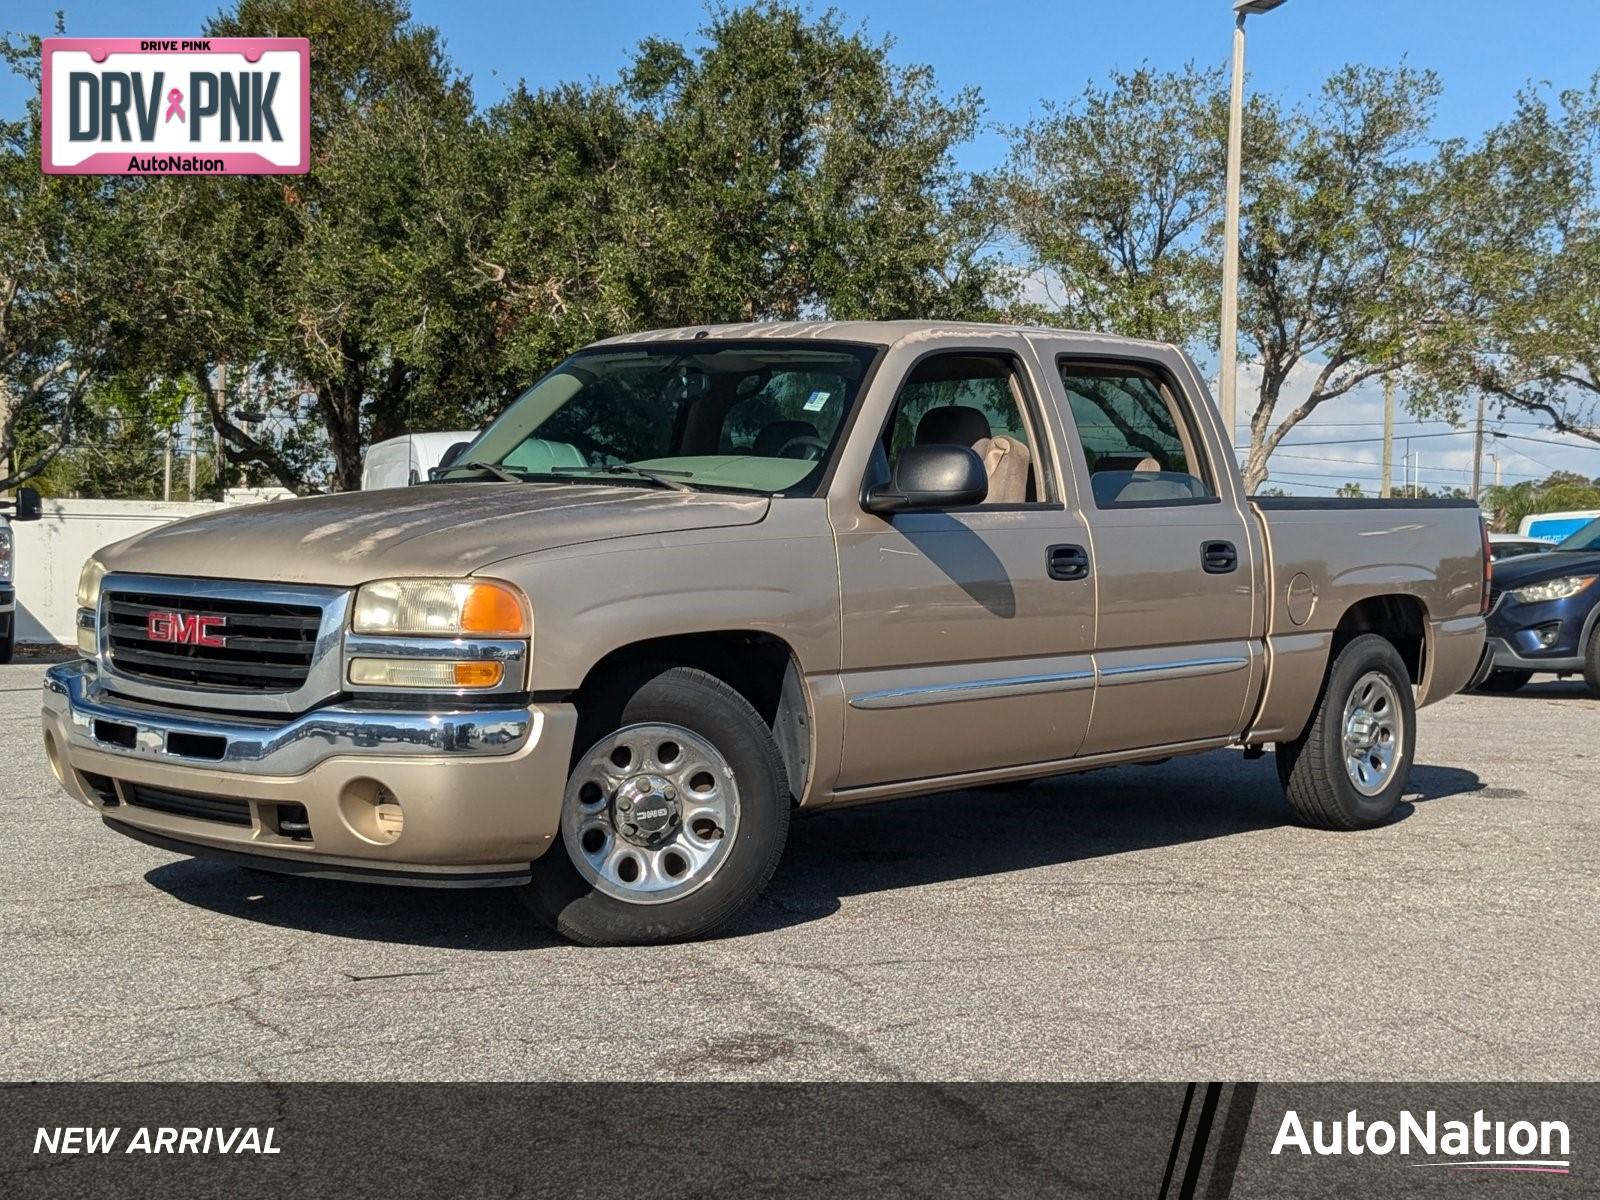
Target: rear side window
[1139, 447]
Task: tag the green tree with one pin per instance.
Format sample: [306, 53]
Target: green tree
[1521, 211]
[1114, 197]
[784, 168]
[71, 287]
[341, 302]
[1563, 491]
[1337, 221]
[1117, 197]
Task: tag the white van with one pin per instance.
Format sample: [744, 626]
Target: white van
[1553, 526]
[403, 461]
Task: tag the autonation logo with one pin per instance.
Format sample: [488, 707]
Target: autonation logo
[1480, 1144]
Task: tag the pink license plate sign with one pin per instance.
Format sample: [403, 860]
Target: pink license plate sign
[169, 106]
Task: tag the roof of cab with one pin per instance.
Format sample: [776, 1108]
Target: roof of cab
[880, 333]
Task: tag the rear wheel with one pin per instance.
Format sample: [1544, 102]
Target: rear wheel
[1349, 768]
[675, 815]
[1504, 682]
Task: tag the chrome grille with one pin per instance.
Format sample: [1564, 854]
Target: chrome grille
[268, 646]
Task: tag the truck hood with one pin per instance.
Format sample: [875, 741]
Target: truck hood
[433, 529]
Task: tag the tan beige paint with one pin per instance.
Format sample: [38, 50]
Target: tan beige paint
[933, 649]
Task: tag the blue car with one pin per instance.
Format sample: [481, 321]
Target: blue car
[1543, 615]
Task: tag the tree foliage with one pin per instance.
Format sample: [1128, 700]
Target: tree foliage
[1563, 491]
[438, 257]
[1521, 209]
[1115, 196]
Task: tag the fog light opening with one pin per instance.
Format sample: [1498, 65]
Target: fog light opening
[372, 812]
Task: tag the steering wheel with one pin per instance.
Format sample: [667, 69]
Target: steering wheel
[817, 447]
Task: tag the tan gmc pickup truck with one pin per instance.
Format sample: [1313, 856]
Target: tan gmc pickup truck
[696, 579]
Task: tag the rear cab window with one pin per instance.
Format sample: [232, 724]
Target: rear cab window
[1135, 435]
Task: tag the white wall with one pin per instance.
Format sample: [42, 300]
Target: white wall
[51, 551]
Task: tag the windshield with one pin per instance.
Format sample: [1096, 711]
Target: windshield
[744, 416]
[1587, 538]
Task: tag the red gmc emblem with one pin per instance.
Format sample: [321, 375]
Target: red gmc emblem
[187, 629]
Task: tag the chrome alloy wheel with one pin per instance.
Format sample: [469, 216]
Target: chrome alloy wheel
[650, 813]
[1374, 729]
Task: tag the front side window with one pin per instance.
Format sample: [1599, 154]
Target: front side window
[739, 416]
[972, 400]
[1139, 448]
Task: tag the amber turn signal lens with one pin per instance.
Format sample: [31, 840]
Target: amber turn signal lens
[478, 674]
[494, 610]
[424, 673]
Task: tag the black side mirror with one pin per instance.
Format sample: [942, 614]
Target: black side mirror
[931, 477]
[28, 506]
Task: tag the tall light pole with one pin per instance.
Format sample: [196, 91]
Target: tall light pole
[1228, 372]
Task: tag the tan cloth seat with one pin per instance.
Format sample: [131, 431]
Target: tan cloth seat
[1006, 460]
[1008, 463]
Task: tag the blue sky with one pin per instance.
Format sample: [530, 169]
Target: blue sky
[1022, 53]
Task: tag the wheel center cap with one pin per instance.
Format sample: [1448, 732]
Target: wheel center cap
[1363, 730]
[646, 809]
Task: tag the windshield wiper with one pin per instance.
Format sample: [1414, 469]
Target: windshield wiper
[498, 472]
[659, 478]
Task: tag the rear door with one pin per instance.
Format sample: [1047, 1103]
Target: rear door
[967, 632]
[1176, 565]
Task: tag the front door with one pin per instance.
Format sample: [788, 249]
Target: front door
[968, 632]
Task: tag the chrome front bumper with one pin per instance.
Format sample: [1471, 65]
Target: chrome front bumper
[96, 720]
[480, 789]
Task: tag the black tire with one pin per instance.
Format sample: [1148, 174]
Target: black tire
[1503, 683]
[1591, 662]
[8, 640]
[1312, 767]
[567, 903]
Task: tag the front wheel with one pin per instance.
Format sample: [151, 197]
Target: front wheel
[8, 639]
[1349, 768]
[673, 819]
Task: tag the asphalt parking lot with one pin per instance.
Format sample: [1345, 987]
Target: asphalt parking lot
[1142, 923]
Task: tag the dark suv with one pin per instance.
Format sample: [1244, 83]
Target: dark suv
[1544, 615]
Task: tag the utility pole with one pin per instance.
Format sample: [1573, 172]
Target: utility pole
[1228, 344]
[1386, 486]
[1496, 458]
[222, 407]
[166, 467]
[1477, 453]
[194, 444]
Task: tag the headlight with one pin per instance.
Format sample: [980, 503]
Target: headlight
[89, 584]
[446, 607]
[5, 554]
[1553, 589]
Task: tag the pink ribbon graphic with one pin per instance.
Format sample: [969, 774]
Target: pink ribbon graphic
[175, 106]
